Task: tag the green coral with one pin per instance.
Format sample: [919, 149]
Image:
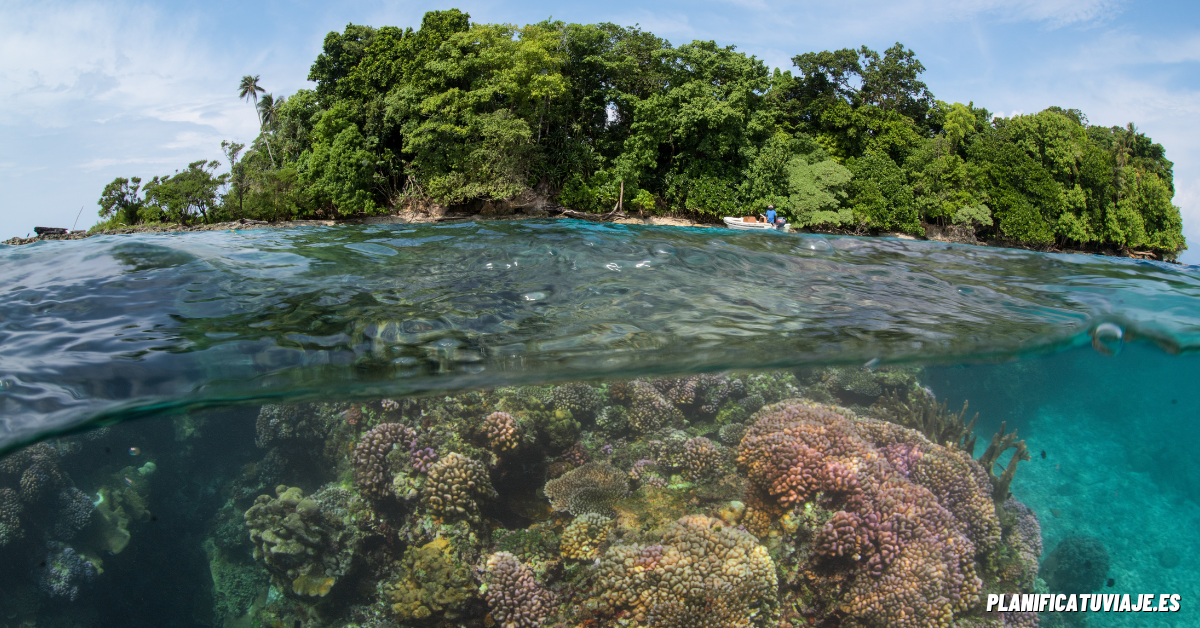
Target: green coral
[305, 548]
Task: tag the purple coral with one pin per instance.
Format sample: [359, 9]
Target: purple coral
[65, 571]
[370, 458]
[903, 456]
[514, 596]
[422, 459]
[576, 455]
[911, 556]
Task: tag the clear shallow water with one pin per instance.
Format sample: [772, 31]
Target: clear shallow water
[195, 332]
[117, 325]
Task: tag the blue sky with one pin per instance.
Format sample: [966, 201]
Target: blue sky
[94, 90]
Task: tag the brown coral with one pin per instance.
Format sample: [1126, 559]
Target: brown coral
[648, 408]
[370, 458]
[701, 458]
[582, 538]
[703, 574]
[433, 585]
[594, 487]
[502, 431]
[455, 485]
[514, 595]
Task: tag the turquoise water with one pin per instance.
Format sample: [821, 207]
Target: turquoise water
[339, 330]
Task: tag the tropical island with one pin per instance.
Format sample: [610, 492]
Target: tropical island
[489, 118]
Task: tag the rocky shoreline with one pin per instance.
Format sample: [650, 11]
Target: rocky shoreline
[507, 211]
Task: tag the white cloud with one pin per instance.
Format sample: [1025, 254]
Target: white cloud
[64, 61]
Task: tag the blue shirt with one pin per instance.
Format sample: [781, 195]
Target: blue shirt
[771, 216]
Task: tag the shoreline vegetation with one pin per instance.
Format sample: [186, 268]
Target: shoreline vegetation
[598, 120]
[933, 233]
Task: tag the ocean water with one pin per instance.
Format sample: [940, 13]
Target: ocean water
[541, 422]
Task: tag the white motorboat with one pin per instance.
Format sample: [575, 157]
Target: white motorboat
[734, 222]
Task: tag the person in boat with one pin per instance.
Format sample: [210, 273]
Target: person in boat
[770, 216]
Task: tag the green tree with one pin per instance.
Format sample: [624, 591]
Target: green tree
[817, 193]
[185, 195]
[119, 202]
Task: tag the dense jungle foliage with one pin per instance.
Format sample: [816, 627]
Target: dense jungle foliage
[458, 112]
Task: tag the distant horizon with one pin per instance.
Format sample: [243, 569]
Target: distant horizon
[94, 91]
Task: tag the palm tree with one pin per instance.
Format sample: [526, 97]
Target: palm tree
[1122, 150]
[248, 89]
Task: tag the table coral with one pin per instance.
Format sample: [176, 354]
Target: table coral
[702, 574]
[515, 597]
[594, 487]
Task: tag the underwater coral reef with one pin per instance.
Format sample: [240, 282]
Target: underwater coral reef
[718, 500]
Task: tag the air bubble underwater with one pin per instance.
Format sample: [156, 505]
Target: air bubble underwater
[1108, 338]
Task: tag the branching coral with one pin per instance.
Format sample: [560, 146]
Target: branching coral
[911, 558]
[455, 485]
[304, 547]
[713, 390]
[1001, 443]
[703, 574]
[502, 431]
[514, 595]
[582, 538]
[613, 419]
[679, 391]
[594, 487]
[576, 455]
[370, 458]
[920, 411]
